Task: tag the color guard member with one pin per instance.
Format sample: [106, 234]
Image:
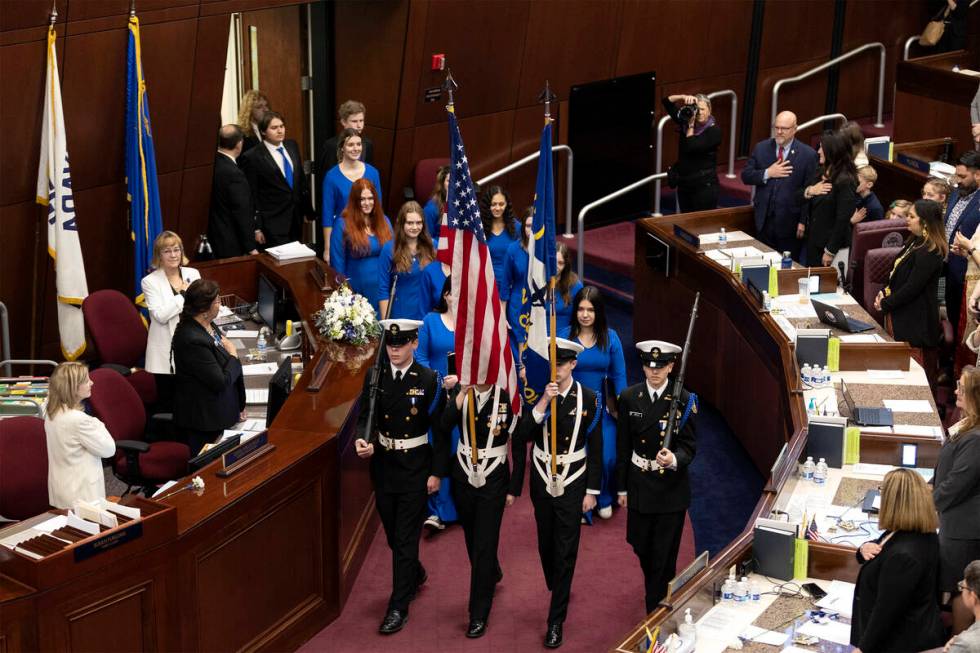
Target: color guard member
[560, 496]
[653, 480]
[410, 398]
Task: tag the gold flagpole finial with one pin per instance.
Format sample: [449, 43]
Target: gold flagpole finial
[53, 17]
[450, 85]
[132, 8]
[545, 97]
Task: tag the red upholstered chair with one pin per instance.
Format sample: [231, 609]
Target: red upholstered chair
[865, 237]
[119, 334]
[23, 467]
[425, 179]
[878, 265]
[137, 462]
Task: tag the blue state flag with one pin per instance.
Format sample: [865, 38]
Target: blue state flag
[141, 167]
[541, 269]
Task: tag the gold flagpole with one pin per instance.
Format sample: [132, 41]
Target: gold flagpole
[547, 96]
[470, 399]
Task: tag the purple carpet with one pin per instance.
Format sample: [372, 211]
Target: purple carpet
[607, 594]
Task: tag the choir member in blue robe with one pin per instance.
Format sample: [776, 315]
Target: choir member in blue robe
[500, 226]
[511, 283]
[566, 287]
[433, 276]
[337, 183]
[357, 239]
[436, 341]
[404, 257]
[436, 205]
[601, 368]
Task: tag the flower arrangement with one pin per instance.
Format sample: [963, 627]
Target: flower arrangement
[347, 317]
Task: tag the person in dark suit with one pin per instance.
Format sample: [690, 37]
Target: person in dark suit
[895, 599]
[351, 115]
[484, 419]
[210, 389]
[831, 195]
[962, 216]
[956, 493]
[779, 167]
[410, 400]
[280, 192]
[653, 480]
[910, 300]
[231, 220]
[562, 496]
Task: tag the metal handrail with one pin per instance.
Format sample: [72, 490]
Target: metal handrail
[533, 156]
[4, 335]
[819, 119]
[834, 62]
[731, 145]
[580, 257]
[908, 44]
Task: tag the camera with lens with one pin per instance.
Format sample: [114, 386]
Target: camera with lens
[688, 111]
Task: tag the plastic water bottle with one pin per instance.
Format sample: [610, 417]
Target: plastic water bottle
[806, 373]
[826, 375]
[787, 261]
[808, 469]
[728, 589]
[754, 591]
[261, 345]
[722, 237]
[820, 473]
[766, 301]
[742, 591]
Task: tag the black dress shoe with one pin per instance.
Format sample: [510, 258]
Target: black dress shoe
[477, 628]
[552, 638]
[394, 621]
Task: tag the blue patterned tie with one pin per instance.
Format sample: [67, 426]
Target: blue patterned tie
[287, 168]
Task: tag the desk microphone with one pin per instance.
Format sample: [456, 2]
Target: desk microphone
[842, 277]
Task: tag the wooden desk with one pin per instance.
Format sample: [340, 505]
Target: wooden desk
[900, 182]
[263, 559]
[931, 99]
[742, 363]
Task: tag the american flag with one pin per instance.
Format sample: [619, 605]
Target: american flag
[483, 352]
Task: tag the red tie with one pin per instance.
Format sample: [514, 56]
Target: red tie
[779, 159]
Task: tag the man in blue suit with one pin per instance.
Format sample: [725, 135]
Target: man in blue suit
[779, 168]
[962, 215]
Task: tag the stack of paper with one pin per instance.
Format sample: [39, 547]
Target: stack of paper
[290, 251]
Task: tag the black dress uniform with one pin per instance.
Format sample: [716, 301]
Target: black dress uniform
[408, 403]
[558, 518]
[480, 491]
[656, 502]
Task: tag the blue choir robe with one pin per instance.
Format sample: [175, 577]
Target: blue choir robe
[433, 279]
[432, 219]
[408, 303]
[593, 367]
[361, 268]
[563, 311]
[498, 245]
[510, 285]
[435, 342]
[336, 192]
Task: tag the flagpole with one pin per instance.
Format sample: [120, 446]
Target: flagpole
[472, 426]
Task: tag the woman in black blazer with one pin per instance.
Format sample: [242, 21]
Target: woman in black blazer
[896, 598]
[210, 395]
[830, 199]
[910, 300]
[957, 496]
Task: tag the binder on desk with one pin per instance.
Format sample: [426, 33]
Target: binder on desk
[825, 439]
[812, 346]
[774, 550]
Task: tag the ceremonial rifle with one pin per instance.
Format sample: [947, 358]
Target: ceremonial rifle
[375, 373]
[672, 424]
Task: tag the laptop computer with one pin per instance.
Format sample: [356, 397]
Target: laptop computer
[835, 317]
[865, 415]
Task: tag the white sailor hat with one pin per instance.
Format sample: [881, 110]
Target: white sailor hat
[658, 353]
[566, 350]
[400, 332]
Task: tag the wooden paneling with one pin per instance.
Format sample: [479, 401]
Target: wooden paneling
[805, 98]
[21, 14]
[195, 201]
[205, 98]
[796, 31]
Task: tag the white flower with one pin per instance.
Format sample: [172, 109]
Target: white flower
[198, 483]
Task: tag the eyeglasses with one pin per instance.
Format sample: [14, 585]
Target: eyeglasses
[782, 129]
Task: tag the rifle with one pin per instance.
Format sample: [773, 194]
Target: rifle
[679, 380]
[374, 376]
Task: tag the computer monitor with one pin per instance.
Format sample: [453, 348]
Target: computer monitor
[268, 302]
[280, 386]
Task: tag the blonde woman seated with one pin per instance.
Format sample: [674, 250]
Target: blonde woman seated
[77, 442]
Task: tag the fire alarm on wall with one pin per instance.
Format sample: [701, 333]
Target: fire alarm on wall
[438, 62]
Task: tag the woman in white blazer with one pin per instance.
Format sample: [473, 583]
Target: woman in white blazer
[77, 442]
[163, 290]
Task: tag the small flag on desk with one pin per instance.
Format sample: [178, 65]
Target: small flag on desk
[141, 167]
[54, 191]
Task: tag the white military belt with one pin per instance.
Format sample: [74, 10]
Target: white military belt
[645, 463]
[401, 444]
[561, 459]
[489, 454]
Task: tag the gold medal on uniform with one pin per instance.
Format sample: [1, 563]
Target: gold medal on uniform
[414, 410]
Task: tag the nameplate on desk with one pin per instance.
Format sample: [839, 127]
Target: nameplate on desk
[912, 162]
[680, 580]
[687, 236]
[245, 453]
[109, 540]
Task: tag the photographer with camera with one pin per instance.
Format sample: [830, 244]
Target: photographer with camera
[695, 175]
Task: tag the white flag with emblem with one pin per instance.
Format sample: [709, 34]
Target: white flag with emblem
[54, 191]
